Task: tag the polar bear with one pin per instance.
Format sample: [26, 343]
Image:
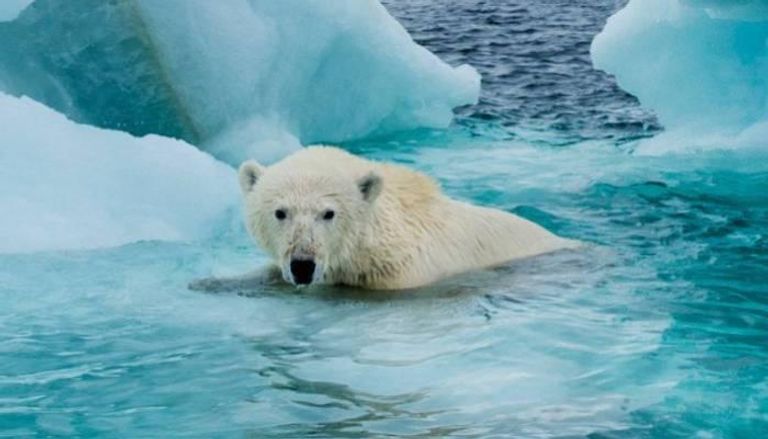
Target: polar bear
[326, 216]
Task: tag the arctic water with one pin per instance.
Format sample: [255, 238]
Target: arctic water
[657, 329]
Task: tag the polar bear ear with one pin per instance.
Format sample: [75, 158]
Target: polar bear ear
[250, 172]
[370, 186]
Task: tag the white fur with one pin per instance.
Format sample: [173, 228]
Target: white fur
[393, 228]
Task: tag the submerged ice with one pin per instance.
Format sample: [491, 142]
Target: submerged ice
[241, 79]
[702, 65]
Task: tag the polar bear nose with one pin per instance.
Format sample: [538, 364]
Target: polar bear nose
[302, 270]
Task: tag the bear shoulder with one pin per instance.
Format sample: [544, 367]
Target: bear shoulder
[412, 189]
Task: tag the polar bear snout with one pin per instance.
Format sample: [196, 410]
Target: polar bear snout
[303, 271]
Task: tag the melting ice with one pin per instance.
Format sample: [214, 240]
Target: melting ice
[241, 79]
[702, 65]
[67, 185]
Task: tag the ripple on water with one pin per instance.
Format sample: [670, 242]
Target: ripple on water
[656, 329]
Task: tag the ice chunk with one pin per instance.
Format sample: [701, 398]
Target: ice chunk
[242, 78]
[10, 9]
[69, 186]
[702, 65]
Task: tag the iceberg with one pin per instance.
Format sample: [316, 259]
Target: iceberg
[702, 65]
[239, 79]
[118, 118]
[71, 186]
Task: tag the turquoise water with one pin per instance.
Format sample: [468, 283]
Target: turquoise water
[657, 329]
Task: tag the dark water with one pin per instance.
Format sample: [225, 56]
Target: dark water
[535, 63]
[657, 330]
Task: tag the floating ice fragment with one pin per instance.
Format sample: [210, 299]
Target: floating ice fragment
[702, 65]
[71, 186]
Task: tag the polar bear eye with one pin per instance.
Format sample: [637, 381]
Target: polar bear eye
[280, 214]
[328, 215]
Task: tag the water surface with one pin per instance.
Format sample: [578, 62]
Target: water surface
[657, 329]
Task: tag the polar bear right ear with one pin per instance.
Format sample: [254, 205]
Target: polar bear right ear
[369, 186]
[249, 173]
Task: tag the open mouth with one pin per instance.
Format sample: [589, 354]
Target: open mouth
[303, 271]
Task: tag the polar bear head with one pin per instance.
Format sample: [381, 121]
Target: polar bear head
[310, 220]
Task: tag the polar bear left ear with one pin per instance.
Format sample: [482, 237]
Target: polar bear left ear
[370, 186]
[250, 172]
